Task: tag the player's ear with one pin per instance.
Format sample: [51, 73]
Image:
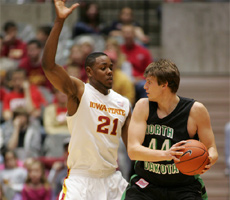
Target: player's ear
[164, 85]
[88, 71]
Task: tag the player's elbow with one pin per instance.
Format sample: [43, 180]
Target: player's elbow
[132, 153]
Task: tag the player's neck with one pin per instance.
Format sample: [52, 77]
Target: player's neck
[167, 105]
[100, 88]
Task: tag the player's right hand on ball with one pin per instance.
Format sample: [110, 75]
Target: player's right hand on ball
[177, 150]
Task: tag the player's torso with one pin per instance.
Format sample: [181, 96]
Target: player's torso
[161, 134]
[95, 130]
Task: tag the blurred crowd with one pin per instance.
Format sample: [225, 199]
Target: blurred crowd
[33, 133]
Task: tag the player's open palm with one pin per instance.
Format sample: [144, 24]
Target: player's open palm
[61, 10]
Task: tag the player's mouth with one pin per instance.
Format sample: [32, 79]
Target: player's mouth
[110, 80]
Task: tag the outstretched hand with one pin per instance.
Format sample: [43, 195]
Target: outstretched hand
[62, 11]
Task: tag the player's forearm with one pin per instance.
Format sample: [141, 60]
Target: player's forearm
[142, 153]
[214, 154]
[48, 59]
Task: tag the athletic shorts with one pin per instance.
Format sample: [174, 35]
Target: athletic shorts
[140, 189]
[78, 187]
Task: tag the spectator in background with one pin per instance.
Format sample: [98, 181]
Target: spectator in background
[42, 34]
[74, 71]
[55, 125]
[12, 177]
[89, 22]
[13, 47]
[22, 95]
[121, 82]
[32, 65]
[76, 56]
[75, 62]
[36, 186]
[138, 56]
[55, 115]
[5, 62]
[22, 135]
[122, 63]
[126, 18]
[3, 92]
[59, 170]
[87, 46]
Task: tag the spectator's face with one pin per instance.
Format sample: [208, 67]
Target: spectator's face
[126, 16]
[76, 55]
[17, 80]
[10, 161]
[42, 37]
[23, 119]
[86, 49]
[128, 34]
[11, 34]
[92, 11]
[35, 173]
[33, 52]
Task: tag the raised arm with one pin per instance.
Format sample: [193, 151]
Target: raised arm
[55, 73]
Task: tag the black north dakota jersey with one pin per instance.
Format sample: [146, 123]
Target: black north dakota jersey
[161, 134]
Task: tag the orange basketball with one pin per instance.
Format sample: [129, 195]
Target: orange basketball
[194, 158]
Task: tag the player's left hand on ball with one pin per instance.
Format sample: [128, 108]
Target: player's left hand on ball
[207, 167]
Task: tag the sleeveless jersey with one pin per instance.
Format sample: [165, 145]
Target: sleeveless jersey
[95, 131]
[161, 134]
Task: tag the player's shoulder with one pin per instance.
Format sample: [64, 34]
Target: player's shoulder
[118, 96]
[198, 109]
[143, 101]
[142, 104]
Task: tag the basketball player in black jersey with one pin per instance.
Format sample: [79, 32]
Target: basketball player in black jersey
[159, 125]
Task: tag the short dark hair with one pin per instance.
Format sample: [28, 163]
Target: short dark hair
[5, 151]
[165, 71]
[9, 25]
[91, 58]
[20, 111]
[45, 29]
[36, 42]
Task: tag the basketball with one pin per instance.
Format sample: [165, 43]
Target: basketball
[194, 158]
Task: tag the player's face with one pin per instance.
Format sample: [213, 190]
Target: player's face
[101, 75]
[152, 88]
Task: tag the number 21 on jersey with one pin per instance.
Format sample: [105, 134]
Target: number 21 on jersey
[105, 123]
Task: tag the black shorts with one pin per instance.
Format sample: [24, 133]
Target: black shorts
[139, 189]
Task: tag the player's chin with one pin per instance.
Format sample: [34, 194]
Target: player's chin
[109, 84]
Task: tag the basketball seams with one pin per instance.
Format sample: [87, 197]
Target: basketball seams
[196, 163]
[197, 168]
[191, 158]
[201, 147]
